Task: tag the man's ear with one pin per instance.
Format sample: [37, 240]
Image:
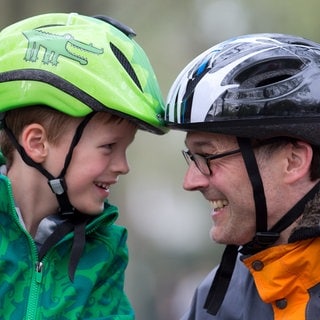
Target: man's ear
[34, 141]
[299, 161]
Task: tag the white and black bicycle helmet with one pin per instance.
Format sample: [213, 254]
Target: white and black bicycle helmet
[257, 86]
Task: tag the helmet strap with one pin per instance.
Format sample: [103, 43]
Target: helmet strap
[263, 238]
[77, 224]
[221, 280]
[296, 211]
[256, 182]
[224, 273]
[76, 221]
[57, 184]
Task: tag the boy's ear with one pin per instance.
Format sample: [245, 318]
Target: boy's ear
[299, 161]
[34, 141]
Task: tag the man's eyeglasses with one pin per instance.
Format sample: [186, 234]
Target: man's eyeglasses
[203, 162]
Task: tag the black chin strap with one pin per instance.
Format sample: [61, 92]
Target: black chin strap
[76, 223]
[263, 238]
[256, 182]
[76, 220]
[224, 273]
[294, 213]
[57, 184]
[221, 281]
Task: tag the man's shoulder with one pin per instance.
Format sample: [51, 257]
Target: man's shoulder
[241, 299]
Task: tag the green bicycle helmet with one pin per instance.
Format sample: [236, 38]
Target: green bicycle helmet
[79, 64]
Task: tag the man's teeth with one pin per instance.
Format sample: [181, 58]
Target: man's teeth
[218, 204]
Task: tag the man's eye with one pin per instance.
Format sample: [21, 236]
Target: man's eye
[203, 155]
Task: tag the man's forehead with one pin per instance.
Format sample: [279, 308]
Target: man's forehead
[202, 139]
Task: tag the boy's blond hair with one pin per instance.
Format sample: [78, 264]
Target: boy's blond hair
[55, 122]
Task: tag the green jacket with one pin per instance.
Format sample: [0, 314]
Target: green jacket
[30, 290]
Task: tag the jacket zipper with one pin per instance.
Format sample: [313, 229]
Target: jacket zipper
[37, 273]
[35, 287]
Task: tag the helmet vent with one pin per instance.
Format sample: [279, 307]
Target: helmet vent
[126, 64]
[269, 72]
[273, 80]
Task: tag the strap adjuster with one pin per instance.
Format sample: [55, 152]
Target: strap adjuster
[58, 186]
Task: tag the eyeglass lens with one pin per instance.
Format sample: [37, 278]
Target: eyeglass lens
[200, 162]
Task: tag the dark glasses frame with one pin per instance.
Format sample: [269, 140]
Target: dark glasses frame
[203, 162]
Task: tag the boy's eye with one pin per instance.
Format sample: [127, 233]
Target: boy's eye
[108, 146]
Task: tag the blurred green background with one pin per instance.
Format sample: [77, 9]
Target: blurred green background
[170, 250]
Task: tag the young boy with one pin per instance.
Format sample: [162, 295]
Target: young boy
[74, 90]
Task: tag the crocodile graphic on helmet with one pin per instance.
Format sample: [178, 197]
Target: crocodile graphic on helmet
[55, 45]
[53, 58]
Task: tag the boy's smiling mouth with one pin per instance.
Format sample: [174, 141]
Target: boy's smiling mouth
[102, 185]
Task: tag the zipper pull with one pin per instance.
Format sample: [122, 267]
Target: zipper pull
[39, 267]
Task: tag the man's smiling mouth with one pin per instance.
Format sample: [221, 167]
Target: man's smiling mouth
[218, 204]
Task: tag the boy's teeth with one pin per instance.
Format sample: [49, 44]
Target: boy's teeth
[102, 185]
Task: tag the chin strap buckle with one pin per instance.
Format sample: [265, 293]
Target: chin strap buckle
[58, 186]
[261, 241]
[266, 239]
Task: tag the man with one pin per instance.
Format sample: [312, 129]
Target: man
[251, 110]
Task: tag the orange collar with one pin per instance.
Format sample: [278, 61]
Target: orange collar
[285, 270]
